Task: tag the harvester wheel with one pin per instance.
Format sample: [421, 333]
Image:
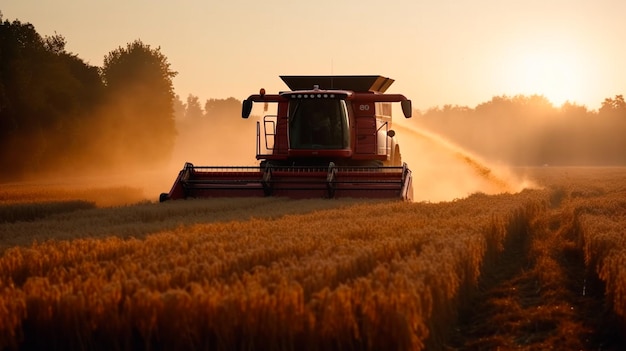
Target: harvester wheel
[164, 197]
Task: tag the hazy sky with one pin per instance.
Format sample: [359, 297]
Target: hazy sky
[438, 51]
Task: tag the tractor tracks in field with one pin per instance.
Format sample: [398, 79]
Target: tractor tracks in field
[538, 295]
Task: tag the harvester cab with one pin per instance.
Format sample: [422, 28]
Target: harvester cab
[331, 136]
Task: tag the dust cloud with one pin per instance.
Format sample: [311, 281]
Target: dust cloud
[131, 157]
[207, 141]
[443, 171]
[228, 141]
[225, 140]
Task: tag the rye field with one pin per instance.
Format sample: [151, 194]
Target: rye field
[106, 269]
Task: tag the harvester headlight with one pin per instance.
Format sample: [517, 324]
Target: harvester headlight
[262, 92]
[325, 95]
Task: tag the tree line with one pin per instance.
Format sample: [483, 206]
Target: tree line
[59, 112]
[530, 131]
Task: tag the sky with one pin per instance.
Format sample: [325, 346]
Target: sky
[439, 51]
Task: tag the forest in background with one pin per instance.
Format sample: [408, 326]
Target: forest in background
[530, 131]
[59, 113]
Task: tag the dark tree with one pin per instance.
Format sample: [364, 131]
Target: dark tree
[179, 108]
[44, 93]
[139, 87]
[55, 43]
[616, 106]
[222, 108]
[193, 109]
[612, 126]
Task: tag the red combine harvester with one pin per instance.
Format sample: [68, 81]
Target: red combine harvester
[330, 137]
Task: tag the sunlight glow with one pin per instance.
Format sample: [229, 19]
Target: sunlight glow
[558, 73]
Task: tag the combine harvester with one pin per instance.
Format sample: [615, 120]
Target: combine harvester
[330, 137]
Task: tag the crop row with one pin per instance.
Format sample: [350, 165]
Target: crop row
[602, 223]
[22, 223]
[375, 276]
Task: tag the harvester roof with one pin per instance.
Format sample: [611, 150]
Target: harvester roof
[376, 84]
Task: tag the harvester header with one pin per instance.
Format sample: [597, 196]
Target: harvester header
[331, 136]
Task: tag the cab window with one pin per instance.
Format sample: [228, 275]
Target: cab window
[318, 124]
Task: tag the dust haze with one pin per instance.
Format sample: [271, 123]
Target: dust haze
[443, 171]
[216, 141]
[209, 141]
[220, 140]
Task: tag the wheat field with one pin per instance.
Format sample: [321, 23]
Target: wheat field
[279, 274]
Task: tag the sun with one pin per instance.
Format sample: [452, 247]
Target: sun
[554, 71]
